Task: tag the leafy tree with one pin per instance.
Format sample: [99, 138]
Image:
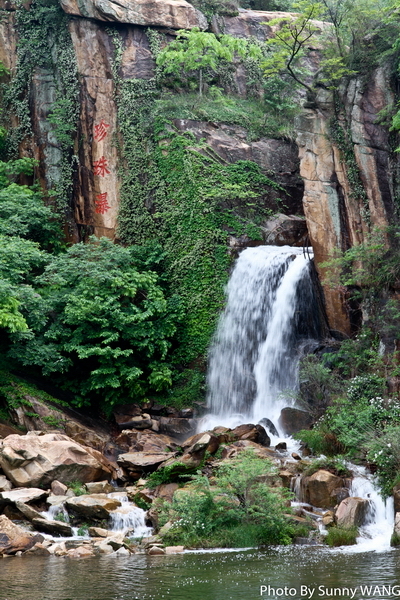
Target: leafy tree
[197, 50]
[107, 325]
[292, 38]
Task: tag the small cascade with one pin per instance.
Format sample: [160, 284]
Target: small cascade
[55, 511]
[129, 518]
[376, 533]
[270, 316]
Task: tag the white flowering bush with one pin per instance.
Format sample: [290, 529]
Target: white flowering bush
[384, 452]
[365, 386]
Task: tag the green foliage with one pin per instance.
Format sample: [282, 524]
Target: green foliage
[83, 530]
[44, 42]
[395, 540]
[293, 36]
[15, 392]
[240, 509]
[335, 465]
[341, 536]
[165, 474]
[61, 518]
[105, 324]
[318, 385]
[79, 490]
[196, 51]
[384, 451]
[357, 356]
[271, 117]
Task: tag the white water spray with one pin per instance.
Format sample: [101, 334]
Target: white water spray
[255, 354]
[129, 518]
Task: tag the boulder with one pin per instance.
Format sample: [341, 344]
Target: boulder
[39, 549]
[95, 506]
[174, 14]
[146, 462]
[58, 488]
[166, 491]
[100, 487]
[328, 519]
[80, 552]
[208, 441]
[97, 532]
[145, 441]
[292, 420]
[352, 511]
[322, 489]
[5, 485]
[174, 549]
[396, 497]
[32, 460]
[155, 551]
[28, 512]
[14, 539]
[25, 495]
[57, 528]
[268, 424]
[6, 430]
[136, 423]
[252, 433]
[177, 427]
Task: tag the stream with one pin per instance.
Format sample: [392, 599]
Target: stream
[236, 575]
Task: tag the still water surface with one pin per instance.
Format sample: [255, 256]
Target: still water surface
[202, 576]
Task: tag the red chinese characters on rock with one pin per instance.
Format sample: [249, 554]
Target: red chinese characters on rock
[100, 131]
[102, 203]
[100, 167]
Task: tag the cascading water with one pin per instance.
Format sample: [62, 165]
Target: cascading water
[375, 534]
[129, 518]
[270, 314]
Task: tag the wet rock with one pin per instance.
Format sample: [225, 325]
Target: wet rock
[100, 487]
[58, 488]
[286, 477]
[321, 488]
[5, 484]
[32, 460]
[95, 506]
[56, 500]
[176, 427]
[293, 420]
[80, 552]
[328, 519]
[14, 539]
[296, 456]
[103, 548]
[282, 446]
[174, 549]
[186, 413]
[136, 423]
[39, 550]
[155, 551]
[268, 424]
[352, 511]
[223, 434]
[185, 464]
[58, 549]
[252, 433]
[57, 528]
[97, 532]
[28, 512]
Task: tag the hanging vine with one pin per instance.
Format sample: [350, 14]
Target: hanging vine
[44, 44]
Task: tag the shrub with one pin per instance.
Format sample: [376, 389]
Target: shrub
[239, 509]
[384, 452]
[336, 465]
[342, 536]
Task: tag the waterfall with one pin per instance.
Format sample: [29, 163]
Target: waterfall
[129, 518]
[375, 534]
[270, 314]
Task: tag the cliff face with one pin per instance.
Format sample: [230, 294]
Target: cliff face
[345, 199]
[337, 214]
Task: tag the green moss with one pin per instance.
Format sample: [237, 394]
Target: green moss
[342, 536]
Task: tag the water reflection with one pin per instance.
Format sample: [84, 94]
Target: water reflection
[218, 576]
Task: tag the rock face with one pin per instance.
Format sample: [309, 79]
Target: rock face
[352, 511]
[94, 506]
[32, 460]
[336, 215]
[14, 539]
[322, 489]
[176, 14]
